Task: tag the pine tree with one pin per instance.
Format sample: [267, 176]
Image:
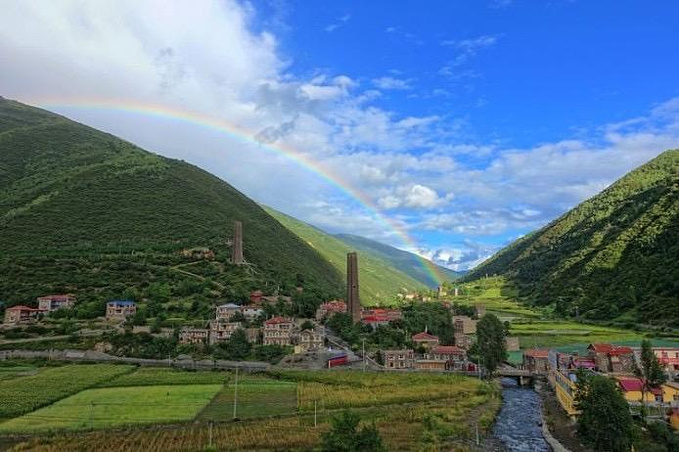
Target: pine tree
[649, 371]
[490, 343]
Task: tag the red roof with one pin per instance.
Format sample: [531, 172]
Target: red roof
[375, 318]
[424, 336]
[276, 320]
[610, 349]
[22, 308]
[447, 350]
[630, 384]
[537, 353]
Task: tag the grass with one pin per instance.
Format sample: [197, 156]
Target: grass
[450, 421]
[25, 394]
[257, 397]
[496, 295]
[111, 407]
[152, 376]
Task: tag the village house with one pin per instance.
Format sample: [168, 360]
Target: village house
[330, 308]
[15, 315]
[256, 297]
[278, 331]
[379, 316]
[194, 336]
[431, 364]
[198, 253]
[536, 361]
[425, 340]
[465, 341]
[222, 331]
[251, 312]
[670, 393]
[612, 358]
[668, 357]
[51, 303]
[631, 389]
[120, 309]
[313, 339]
[453, 356]
[464, 324]
[398, 359]
[224, 312]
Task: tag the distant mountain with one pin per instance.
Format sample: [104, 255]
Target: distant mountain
[615, 256]
[85, 212]
[379, 279]
[404, 261]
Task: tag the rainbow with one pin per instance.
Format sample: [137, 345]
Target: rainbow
[245, 136]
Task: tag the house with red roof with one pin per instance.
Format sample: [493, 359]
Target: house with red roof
[425, 340]
[330, 308]
[49, 303]
[632, 390]
[278, 331]
[611, 358]
[454, 357]
[536, 360]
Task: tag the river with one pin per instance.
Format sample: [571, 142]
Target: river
[518, 424]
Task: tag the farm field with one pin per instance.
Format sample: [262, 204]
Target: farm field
[496, 296]
[25, 394]
[151, 376]
[112, 407]
[444, 417]
[257, 397]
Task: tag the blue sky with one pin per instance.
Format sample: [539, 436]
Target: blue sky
[467, 124]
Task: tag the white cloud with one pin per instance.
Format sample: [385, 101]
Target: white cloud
[391, 83]
[340, 22]
[415, 196]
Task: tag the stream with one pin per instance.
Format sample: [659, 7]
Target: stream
[518, 425]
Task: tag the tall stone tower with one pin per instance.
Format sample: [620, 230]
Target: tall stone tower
[237, 248]
[353, 300]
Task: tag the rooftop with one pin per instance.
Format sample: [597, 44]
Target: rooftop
[423, 336]
[121, 303]
[277, 320]
[447, 349]
[536, 353]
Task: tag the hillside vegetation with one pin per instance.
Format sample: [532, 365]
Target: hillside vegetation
[612, 257]
[379, 280]
[408, 263]
[85, 212]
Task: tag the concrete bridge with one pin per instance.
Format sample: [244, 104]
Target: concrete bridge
[522, 376]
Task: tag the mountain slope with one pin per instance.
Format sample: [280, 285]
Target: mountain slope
[86, 212]
[613, 256]
[379, 280]
[404, 261]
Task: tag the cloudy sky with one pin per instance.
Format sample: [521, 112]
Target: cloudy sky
[462, 125]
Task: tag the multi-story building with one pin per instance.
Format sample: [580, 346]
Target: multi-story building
[668, 357]
[194, 336]
[51, 303]
[120, 309]
[453, 357]
[278, 331]
[330, 308]
[15, 315]
[536, 361]
[222, 331]
[398, 359]
[313, 339]
[464, 324]
[224, 312]
[612, 358]
[425, 340]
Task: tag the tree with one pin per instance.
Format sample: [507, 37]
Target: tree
[345, 436]
[238, 346]
[650, 372]
[605, 422]
[490, 343]
[307, 325]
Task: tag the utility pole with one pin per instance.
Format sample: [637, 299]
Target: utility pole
[478, 441]
[210, 434]
[235, 396]
[91, 415]
[315, 416]
[363, 354]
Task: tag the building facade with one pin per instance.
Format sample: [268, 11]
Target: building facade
[222, 331]
[51, 303]
[398, 359]
[120, 309]
[313, 339]
[330, 308]
[194, 336]
[278, 331]
[612, 358]
[15, 315]
[425, 340]
[464, 324]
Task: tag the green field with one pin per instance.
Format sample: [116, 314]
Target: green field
[152, 376]
[257, 397]
[25, 394]
[111, 407]
[495, 294]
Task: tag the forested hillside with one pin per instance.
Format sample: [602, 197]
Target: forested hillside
[379, 280]
[85, 212]
[615, 256]
[404, 261]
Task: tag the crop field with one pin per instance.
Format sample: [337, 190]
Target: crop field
[112, 407]
[257, 397]
[25, 394]
[152, 376]
[9, 372]
[496, 296]
[426, 424]
[561, 333]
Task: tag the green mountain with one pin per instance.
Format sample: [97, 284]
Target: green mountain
[379, 280]
[612, 257]
[85, 212]
[408, 263]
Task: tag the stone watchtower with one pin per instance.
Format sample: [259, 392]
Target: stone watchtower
[237, 248]
[353, 300]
